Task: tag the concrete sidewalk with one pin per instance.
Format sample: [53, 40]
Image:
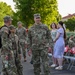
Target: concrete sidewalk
[28, 69]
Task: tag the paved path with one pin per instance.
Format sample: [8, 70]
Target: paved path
[28, 69]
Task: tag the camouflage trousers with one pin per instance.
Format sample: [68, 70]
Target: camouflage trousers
[8, 63]
[36, 55]
[22, 46]
[19, 66]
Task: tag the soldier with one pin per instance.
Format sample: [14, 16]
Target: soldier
[8, 61]
[15, 43]
[71, 41]
[38, 41]
[21, 33]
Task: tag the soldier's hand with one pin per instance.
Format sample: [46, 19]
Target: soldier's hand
[54, 41]
[6, 31]
[6, 57]
[49, 50]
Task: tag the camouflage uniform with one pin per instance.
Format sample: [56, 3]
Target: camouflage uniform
[71, 42]
[21, 33]
[15, 43]
[38, 41]
[8, 61]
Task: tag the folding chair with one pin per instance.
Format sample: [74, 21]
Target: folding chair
[72, 50]
[72, 58]
[67, 59]
[66, 50]
[66, 54]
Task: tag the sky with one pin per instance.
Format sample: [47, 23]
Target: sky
[65, 7]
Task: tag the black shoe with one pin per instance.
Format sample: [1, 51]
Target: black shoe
[31, 62]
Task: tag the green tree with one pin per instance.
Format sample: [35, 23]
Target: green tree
[4, 10]
[70, 24]
[47, 8]
[15, 18]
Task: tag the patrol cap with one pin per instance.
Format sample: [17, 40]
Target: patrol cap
[11, 27]
[7, 18]
[19, 23]
[37, 15]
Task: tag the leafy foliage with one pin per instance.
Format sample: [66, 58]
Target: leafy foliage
[70, 24]
[4, 10]
[47, 8]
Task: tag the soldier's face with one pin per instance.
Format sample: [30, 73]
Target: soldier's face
[20, 25]
[9, 22]
[13, 31]
[37, 20]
